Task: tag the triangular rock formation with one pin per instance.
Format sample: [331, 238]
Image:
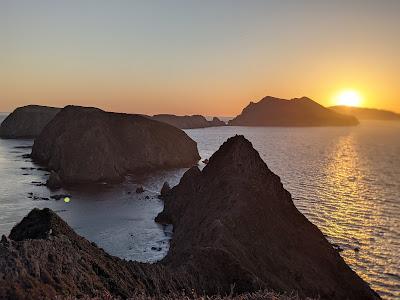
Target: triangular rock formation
[234, 223]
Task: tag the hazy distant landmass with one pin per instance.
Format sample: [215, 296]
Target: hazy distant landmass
[367, 113]
[271, 111]
[188, 122]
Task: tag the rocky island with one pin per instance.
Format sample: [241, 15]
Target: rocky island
[188, 122]
[27, 121]
[362, 113]
[271, 111]
[236, 230]
[84, 145]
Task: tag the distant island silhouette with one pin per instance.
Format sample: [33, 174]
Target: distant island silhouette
[272, 111]
[363, 113]
[188, 122]
[27, 121]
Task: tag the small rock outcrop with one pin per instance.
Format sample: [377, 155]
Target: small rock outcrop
[215, 122]
[165, 189]
[27, 121]
[271, 111]
[362, 113]
[188, 122]
[54, 181]
[84, 145]
[139, 190]
[234, 223]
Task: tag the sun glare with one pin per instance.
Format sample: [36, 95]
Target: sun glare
[349, 98]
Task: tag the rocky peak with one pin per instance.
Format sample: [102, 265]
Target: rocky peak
[40, 224]
[241, 212]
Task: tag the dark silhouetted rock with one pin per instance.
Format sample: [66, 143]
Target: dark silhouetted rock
[217, 122]
[60, 196]
[272, 111]
[234, 223]
[27, 121]
[54, 181]
[206, 161]
[188, 122]
[140, 190]
[86, 145]
[362, 113]
[165, 189]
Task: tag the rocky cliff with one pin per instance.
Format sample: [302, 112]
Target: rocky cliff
[271, 111]
[84, 144]
[188, 122]
[27, 121]
[236, 230]
[234, 223]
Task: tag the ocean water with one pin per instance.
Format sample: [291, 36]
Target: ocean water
[346, 180]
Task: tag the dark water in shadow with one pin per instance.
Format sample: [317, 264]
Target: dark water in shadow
[345, 180]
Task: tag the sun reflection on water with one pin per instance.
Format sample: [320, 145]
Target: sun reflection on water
[351, 217]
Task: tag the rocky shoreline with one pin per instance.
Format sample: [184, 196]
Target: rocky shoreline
[236, 230]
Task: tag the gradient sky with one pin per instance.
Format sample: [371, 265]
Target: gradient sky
[207, 57]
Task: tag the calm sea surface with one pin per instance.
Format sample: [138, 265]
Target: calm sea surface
[345, 180]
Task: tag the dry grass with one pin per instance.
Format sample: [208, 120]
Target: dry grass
[259, 295]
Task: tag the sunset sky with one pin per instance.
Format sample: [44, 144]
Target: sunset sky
[206, 57]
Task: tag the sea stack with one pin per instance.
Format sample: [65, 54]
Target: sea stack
[188, 122]
[27, 121]
[84, 145]
[235, 224]
[271, 111]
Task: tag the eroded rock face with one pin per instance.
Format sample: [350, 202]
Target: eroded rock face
[27, 121]
[188, 122]
[235, 228]
[271, 111]
[235, 223]
[86, 145]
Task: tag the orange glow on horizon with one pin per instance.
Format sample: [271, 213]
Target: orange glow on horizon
[349, 98]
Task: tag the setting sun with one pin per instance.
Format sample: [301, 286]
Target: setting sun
[349, 98]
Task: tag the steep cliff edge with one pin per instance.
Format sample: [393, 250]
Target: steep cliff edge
[235, 215]
[84, 145]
